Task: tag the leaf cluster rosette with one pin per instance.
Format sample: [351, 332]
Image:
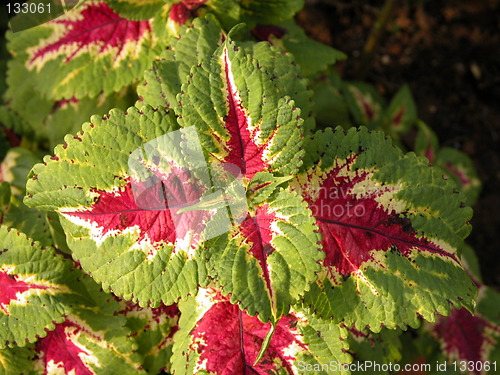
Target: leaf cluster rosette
[281, 247]
[340, 229]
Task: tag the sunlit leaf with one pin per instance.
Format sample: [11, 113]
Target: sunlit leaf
[33, 287]
[215, 336]
[390, 248]
[88, 50]
[130, 243]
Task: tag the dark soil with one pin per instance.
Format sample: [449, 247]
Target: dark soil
[449, 54]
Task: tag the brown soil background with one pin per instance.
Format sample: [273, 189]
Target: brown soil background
[448, 52]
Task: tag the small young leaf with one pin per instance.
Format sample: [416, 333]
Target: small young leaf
[330, 107]
[252, 12]
[312, 56]
[426, 142]
[264, 185]
[402, 112]
[364, 102]
[456, 164]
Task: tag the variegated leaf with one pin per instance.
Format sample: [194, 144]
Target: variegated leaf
[14, 168]
[462, 342]
[468, 338]
[42, 11]
[216, 337]
[390, 248]
[49, 120]
[474, 339]
[364, 102]
[456, 164]
[91, 340]
[240, 116]
[426, 142]
[231, 12]
[182, 12]
[88, 50]
[153, 330]
[119, 227]
[459, 168]
[11, 127]
[240, 120]
[33, 288]
[401, 114]
[268, 261]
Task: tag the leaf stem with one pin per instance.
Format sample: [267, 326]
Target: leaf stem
[265, 343]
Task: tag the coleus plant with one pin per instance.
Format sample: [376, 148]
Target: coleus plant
[360, 103]
[210, 228]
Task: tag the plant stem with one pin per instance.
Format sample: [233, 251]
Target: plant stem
[374, 38]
